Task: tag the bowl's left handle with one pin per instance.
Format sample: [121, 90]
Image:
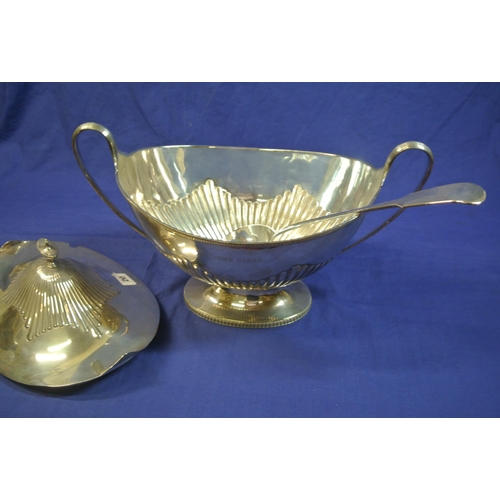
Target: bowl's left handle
[114, 153]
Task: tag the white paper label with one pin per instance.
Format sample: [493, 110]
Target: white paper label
[124, 279]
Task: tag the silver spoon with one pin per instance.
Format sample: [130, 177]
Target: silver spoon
[462, 192]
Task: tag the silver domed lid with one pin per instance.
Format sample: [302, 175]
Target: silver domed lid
[68, 315]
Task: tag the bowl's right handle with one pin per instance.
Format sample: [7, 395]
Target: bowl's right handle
[406, 146]
[114, 153]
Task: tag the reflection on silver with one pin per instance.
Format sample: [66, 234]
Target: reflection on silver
[186, 198]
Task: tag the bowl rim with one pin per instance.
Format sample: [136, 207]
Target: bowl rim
[246, 148]
[256, 244]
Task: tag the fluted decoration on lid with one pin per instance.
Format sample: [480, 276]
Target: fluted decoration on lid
[51, 293]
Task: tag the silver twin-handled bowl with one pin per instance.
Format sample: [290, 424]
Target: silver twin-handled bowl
[204, 207]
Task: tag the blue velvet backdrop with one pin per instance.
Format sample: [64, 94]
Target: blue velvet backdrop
[404, 325]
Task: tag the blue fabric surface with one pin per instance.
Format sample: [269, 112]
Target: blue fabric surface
[403, 325]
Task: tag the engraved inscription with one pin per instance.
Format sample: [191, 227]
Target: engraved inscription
[248, 260]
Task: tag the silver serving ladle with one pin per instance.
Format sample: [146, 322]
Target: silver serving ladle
[462, 192]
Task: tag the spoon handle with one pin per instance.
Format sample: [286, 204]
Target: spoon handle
[462, 192]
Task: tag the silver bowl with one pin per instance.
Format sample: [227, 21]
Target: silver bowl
[188, 198]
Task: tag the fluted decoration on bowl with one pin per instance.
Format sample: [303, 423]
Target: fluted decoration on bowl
[211, 212]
